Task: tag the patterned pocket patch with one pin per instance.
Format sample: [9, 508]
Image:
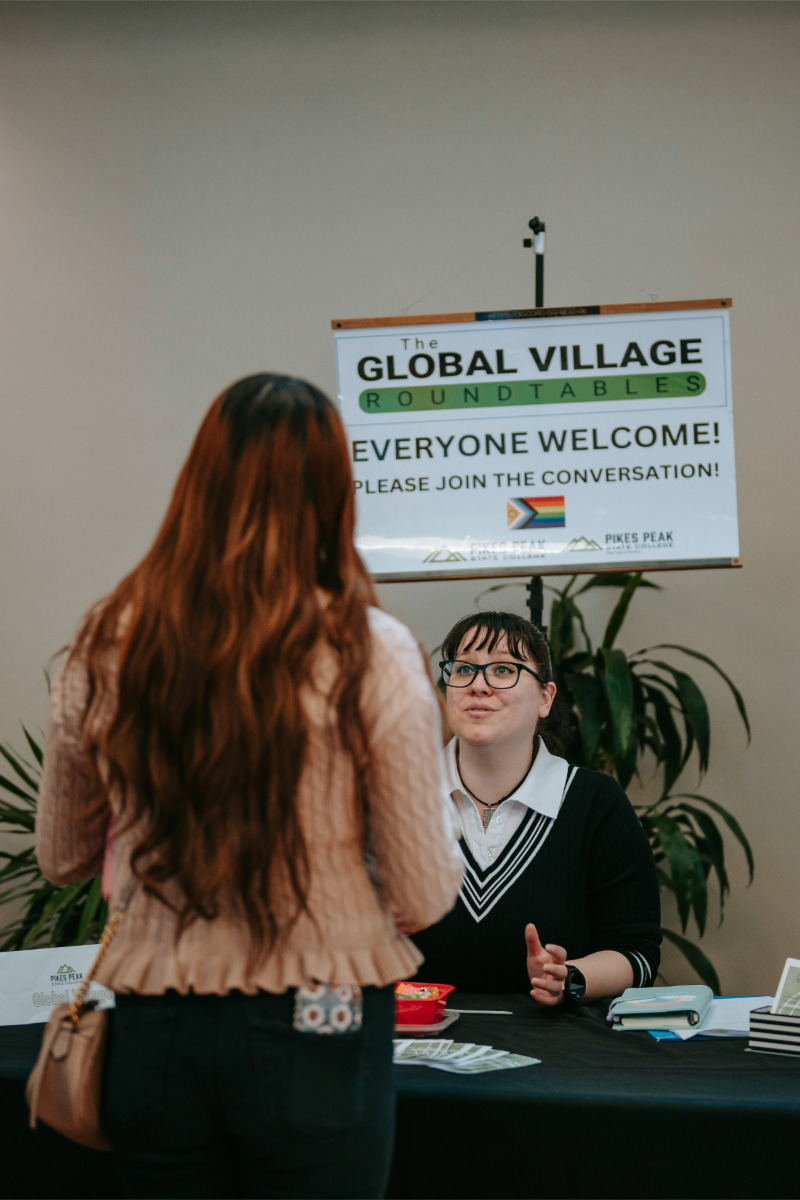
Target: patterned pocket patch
[325, 1009]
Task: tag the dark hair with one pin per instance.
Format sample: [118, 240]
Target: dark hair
[214, 636]
[524, 640]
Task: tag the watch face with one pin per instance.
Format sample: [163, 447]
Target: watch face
[575, 984]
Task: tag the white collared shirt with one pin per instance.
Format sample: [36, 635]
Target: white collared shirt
[542, 790]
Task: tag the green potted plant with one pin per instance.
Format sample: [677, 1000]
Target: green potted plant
[640, 714]
[46, 915]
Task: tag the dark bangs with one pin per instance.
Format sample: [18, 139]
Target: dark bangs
[525, 641]
[482, 631]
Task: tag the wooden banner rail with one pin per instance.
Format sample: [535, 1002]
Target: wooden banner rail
[518, 314]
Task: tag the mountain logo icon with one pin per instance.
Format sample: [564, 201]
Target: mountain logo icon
[445, 554]
[582, 543]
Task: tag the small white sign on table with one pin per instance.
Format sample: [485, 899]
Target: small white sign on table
[34, 982]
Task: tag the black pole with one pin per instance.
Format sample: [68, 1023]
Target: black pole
[537, 242]
[535, 592]
[535, 589]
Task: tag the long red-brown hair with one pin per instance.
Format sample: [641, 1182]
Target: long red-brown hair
[214, 633]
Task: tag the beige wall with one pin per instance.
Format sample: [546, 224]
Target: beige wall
[189, 192]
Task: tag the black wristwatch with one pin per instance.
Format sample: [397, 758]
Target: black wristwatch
[574, 987]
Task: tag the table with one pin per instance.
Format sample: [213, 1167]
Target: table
[605, 1115]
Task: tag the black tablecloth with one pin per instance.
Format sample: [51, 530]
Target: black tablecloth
[40, 1163]
[606, 1114]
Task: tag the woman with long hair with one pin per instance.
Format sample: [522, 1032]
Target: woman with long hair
[250, 741]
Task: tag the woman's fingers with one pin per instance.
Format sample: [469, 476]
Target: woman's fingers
[548, 986]
[551, 982]
[546, 964]
[532, 940]
[543, 995]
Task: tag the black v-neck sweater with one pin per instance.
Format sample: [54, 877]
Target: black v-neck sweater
[585, 878]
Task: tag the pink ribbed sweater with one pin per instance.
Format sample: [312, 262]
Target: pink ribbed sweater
[352, 938]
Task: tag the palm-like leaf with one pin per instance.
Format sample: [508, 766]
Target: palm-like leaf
[696, 958]
[51, 916]
[622, 707]
[737, 695]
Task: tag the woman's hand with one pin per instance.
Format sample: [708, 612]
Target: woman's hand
[546, 969]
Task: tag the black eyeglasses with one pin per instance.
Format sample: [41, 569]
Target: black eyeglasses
[457, 673]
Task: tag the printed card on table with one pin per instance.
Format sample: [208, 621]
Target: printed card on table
[787, 997]
[34, 982]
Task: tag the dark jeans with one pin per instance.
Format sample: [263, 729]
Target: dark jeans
[219, 1096]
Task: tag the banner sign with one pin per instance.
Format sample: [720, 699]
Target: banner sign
[541, 442]
[34, 982]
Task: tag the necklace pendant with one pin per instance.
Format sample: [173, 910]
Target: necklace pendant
[486, 817]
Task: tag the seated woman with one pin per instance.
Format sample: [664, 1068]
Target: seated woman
[555, 854]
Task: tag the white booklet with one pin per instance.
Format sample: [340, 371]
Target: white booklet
[727, 1016]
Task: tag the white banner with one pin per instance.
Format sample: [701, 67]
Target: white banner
[34, 982]
[532, 445]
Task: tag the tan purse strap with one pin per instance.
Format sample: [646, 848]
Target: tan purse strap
[79, 999]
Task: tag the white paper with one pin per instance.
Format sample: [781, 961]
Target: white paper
[728, 1016]
[34, 982]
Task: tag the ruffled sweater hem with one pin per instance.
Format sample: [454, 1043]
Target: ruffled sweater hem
[151, 974]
